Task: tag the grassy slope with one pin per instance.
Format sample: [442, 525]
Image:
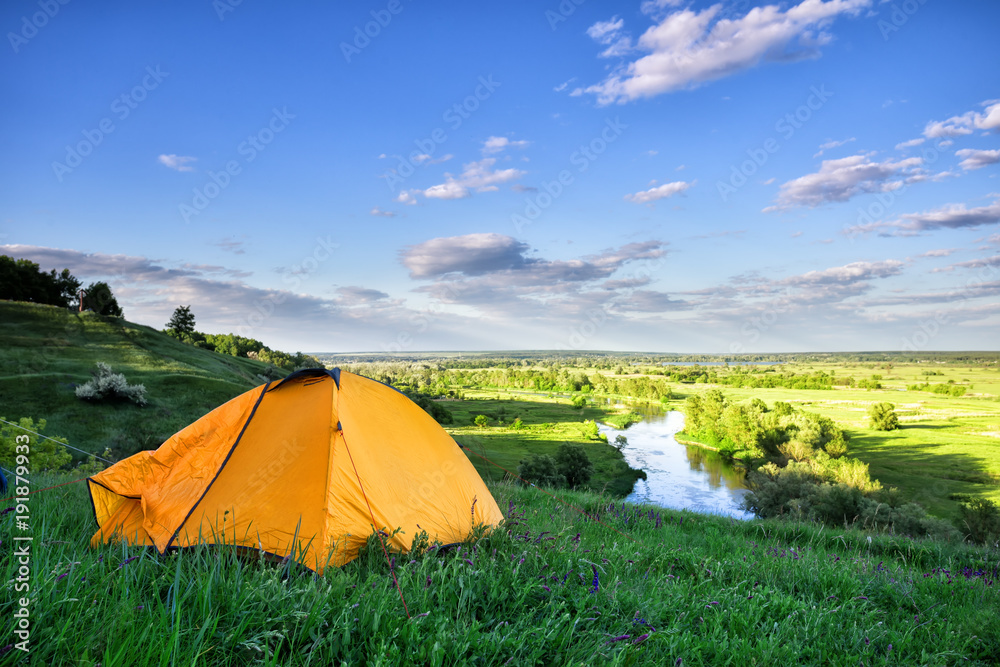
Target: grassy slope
[46, 351]
[672, 586]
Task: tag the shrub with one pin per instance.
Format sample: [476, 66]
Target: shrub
[45, 453]
[620, 442]
[981, 517]
[481, 421]
[517, 424]
[108, 385]
[882, 417]
[540, 469]
[574, 464]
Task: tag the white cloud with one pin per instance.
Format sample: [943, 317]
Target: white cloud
[497, 144]
[609, 33]
[910, 144]
[479, 176]
[688, 48]
[957, 126]
[177, 162]
[974, 159]
[951, 216]
[382, 214]
[660, 192]
[832, 144]
[839, 180]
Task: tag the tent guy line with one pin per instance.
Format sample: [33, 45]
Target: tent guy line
[54, 440]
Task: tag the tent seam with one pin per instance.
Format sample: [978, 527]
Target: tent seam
[221, 468]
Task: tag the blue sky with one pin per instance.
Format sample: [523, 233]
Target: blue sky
[664, 175]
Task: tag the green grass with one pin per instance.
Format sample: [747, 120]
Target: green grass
[671, 586]
[46, 351]
[548, 423]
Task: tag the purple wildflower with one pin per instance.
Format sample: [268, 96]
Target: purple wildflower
[470, 562]
[618, 639]
[597, 581]
[547, 589]
[62, 576]
[422, 615]
[127, 561]
[640, 638]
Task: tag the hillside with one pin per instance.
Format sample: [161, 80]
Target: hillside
[46, 351]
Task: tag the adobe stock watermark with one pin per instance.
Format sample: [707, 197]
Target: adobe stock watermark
[786, 127]
[582, 158]
[22, 543]
[898, 16]
[381, 18]
[454, 116]
[293, 278]
[418, 324]
[562, 12]
[30, 25]
[929, 328]
[122, 107]
[597, 318]
[870, 215]
[754, 326]
[248, 150]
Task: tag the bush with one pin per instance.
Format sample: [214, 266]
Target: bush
[574, 464]
[882, 417]
[981, 517]
[481, 421]
[540, 469]
[108, 385]
[44, 453]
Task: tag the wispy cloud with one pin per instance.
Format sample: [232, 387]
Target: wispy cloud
[496, 144]
[660, 192]
[376, 211]
[480, 176]
[177, 162]
[832, 144]
[956, 126]
[952, 216]
[975, 159]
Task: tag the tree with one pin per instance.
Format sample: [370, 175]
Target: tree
[573, 463]
[22, 280]
[481, 421]
[883, 417]
[46, 453]
[98, 298]
[620, 442]
[182, 321]
[540, 469]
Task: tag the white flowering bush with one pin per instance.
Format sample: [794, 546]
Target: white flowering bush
[108, 385]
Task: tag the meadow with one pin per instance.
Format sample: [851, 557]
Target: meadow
[945, 447]
[571, 577]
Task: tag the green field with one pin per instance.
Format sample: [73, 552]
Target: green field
[548, 423]
[945, 446]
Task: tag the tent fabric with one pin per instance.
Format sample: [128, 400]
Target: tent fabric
[298, 469]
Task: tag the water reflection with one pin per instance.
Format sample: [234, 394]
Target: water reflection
[679, 476]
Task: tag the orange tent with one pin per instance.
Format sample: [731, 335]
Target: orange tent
[302, 468]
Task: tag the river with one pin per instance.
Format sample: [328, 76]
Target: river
[679, 476]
